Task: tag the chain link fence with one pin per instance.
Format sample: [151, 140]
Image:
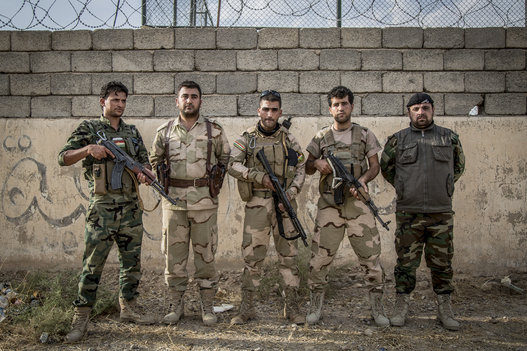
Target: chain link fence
[94, 14]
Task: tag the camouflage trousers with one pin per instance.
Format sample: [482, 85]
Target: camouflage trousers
[121, 223]
[179, 228]
[331, 223]
[260, 221]
[434, 233]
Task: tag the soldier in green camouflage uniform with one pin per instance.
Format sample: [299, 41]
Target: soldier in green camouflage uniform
[195, 217]
[357, 148]
[113, 215]
[423, 162]
[287, 161]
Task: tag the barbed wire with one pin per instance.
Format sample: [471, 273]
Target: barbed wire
[95, 14]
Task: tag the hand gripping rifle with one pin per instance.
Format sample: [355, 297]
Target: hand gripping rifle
[280, 196]
[342, 176]
[122, 160]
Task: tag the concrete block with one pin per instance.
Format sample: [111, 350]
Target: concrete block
[248, 105]
[444, 82]
[219, 106]
[278, 38]
[30, 84]
[206, 81]
[4, 84]
[51, 106]
[91, 61]
[444, 38]
[402, 38]
[319, 38]
[301, 104]
[484, 82]
[86, 106]
[257, 60]
[423, 60]
[516, 82]
[165, 106]
[505, 60]
[153, 83]
[281, 81]
[381, 60]
[113, 39]
[195, 38]
[364, 38]
[382, 105]
[217, 60]
[15, 106]
[139, 106]
[236, 38]
[464, 60]
[484, 38]
[516, 37]
[173, 60]
[132, 61]
[318, 81]
[5, 40]
[461, 104]
[298, 60]
[30, 40]
[100, 79]
[71, 40]
[14, 62]
[340, 59]
[50, 61]
[236, 83]
[154, 38]
[395, 82]
[362, 82]
[71, 84]
[505, 104]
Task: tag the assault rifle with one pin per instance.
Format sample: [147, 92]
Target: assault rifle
[122, 160]
[280, 196]
[342, 176]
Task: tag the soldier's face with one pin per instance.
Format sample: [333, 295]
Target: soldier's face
[114, 104]
[341, 109]
[269, 112]
[188, 102]
[421, 115]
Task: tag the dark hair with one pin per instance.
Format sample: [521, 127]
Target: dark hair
[271, 95]
[340, 92]
[190, 84]
[113, 87]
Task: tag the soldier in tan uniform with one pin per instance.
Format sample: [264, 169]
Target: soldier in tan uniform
[193, 143]
[357, 148]
[287, 161]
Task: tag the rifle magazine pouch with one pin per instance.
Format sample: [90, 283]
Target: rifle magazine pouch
[245, 189]
[99, 179]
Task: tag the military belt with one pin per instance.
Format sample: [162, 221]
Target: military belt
[263, 193]
[185, 183]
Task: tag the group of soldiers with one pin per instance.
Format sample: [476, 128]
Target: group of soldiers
[422, 162]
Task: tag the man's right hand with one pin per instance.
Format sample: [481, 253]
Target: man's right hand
[322, 165]
[98, 151]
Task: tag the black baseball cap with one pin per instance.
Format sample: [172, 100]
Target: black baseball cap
[420, 98]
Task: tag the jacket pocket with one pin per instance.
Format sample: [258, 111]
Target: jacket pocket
[408, 153]
[450, 185]
[442, 153]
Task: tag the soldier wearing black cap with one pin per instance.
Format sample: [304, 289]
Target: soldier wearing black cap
[423, 162]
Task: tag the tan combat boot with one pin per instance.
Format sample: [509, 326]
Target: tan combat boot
[79, 326]
[292, 308]
[246, 311]
[444, 312]
[131, 312]
[400, 310]
[377, 309]
[207, 308]
[176, 306]
[315, 307]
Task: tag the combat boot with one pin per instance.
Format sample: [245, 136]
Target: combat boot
[246, 311]
[292, 308]
[79, 326]
[131, 312]
[377, 309]
[444, 312]
[400, 310]
[315, 307]
[207, 308]
[176, 306]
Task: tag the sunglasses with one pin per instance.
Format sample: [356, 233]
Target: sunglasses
[270, 92]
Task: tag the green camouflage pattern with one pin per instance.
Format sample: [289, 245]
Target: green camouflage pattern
[433, 233]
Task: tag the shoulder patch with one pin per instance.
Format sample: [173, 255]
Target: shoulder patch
[239, 145]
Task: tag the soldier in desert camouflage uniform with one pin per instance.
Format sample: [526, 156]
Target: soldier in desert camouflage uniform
[357, 148]
[287, 161]
[423, 162]
[195, 217]
[113, 215]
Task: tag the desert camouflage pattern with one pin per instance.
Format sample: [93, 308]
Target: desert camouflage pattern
[431, 233]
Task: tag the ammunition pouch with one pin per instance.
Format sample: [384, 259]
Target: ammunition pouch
[245, 189]
[99, 179]
[216, 176]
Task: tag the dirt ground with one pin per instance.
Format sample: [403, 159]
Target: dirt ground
[493, 317]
